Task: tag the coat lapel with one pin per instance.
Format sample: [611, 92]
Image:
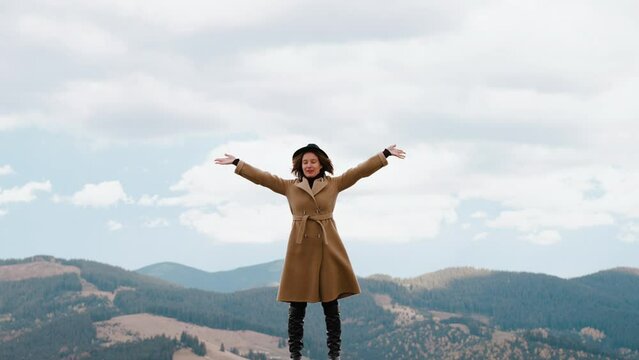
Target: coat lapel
[318, 185]
[304, 186]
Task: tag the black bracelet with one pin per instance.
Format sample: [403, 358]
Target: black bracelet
[236, 161]
[387, 153]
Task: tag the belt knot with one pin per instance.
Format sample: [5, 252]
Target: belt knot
[317, 218]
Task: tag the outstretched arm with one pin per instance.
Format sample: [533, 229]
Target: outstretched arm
[368, 167]
[254, 174]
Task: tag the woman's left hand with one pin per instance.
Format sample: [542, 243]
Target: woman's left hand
[396, 152]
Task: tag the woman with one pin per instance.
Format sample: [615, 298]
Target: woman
[316, 267]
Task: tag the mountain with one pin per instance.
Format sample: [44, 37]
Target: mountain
[437, 279]
[607, 300]
[76, 309]
[618, 282]
[267, 274]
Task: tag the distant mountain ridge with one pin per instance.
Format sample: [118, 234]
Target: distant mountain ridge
[268, 274]
[436, 279]
[243, 278]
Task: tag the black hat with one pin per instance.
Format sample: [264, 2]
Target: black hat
[309, 148]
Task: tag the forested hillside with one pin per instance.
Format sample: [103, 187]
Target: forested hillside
[498, 314]
[608, 301]
[50, 318]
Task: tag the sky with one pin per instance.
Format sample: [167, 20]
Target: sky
[518, 118]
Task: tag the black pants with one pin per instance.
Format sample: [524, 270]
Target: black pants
[329, 307]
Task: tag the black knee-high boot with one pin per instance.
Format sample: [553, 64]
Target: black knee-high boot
[333, 329]
[296, 313]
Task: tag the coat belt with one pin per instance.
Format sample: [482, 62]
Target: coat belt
[317, 218]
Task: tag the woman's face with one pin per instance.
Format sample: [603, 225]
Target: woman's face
[310, 165]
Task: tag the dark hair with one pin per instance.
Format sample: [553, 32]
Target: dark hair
[327, 164]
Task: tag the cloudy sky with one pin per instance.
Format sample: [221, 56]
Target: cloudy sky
[517, 118]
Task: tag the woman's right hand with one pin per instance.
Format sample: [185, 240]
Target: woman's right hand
[227, 160]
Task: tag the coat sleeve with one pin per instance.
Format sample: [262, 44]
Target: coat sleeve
[261, 177]
[367, 168]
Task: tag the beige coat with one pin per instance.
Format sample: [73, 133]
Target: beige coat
[316, 267]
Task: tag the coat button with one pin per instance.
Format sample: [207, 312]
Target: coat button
[305, 235]
[304, 212]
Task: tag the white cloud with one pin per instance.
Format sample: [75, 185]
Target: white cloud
[156, 223]
[121, 108]
[78, 36]
[544, 237]
[8, 122]
[629, 233]
[148, 200]
[532, 219]
[619, 193]
[390, 217]
[113, 225]
[478, 215]
[479, 74]
[3, 212]
[355, 19]
[456, 75]
[541, 187]
[104, 194]
[492, 103]
[6, 170]
[261, 223]
[20, 119]
[480, 236]
[195, 15]
[24, 193]
[57, 199]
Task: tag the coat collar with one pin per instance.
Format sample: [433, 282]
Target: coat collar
[318, 185]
